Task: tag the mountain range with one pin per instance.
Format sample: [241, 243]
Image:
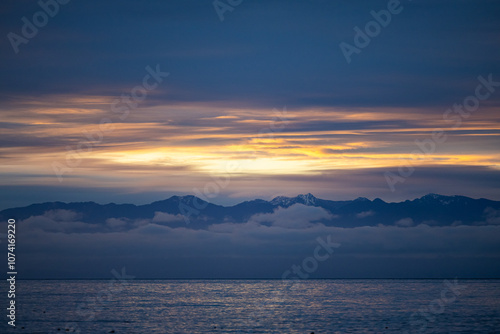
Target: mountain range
[193, 212]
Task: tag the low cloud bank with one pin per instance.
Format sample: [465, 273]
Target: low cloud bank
[56, 244]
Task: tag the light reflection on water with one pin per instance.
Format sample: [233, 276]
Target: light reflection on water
[247, 306]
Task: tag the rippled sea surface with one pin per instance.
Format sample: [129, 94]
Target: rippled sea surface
[256, 306]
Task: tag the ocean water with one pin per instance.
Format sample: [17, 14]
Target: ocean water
[256, 306]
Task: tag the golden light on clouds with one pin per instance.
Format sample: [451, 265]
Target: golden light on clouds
[204, 140]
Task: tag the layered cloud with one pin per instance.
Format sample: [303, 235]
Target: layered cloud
[177, 148]
[216, 106]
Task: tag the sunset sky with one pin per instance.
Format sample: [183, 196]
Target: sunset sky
[263, 103]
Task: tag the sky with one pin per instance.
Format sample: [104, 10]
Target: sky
[121, 101]
[231, 100]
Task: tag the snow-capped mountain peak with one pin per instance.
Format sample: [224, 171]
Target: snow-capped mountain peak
[283, 201]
